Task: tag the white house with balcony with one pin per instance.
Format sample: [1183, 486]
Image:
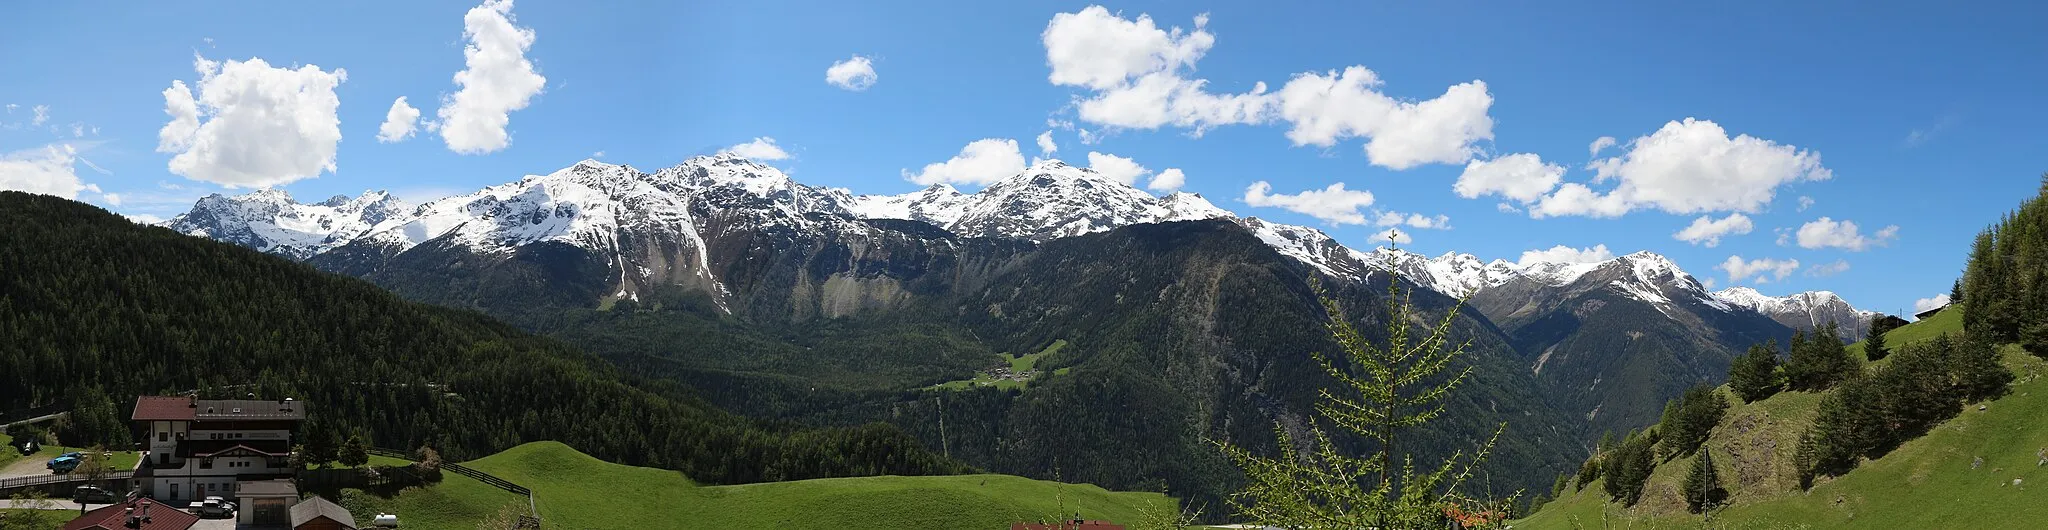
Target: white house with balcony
[230, 448]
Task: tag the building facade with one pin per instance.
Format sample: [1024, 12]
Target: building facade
[199, 448]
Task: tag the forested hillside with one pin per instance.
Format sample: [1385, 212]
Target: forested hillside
[90, 300]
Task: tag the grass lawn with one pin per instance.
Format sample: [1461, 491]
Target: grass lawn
[122, 461]
[578, 491]
[1018, 364]
[456, 503]
[55, 518]
[1929, 482]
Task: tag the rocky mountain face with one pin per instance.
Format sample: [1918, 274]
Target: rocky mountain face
[1805, 311]
[1618, 338]
[270, 221]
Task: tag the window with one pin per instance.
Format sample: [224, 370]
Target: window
[163, 436]
[206, 463]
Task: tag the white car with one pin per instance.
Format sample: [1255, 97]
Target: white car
[384, 520]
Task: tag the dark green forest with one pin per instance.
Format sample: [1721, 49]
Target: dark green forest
[2004, 289]
[91, 300]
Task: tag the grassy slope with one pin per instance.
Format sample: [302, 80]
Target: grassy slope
[574, 490]
[122, 461]
[1927, 483]
[456, 503]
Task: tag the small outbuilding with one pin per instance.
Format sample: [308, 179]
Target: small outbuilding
[136, 514]
[265, 502]
[316, 513]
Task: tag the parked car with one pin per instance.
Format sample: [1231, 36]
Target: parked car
[93, 494]
[384, 520]
[213, 507]
[63, 464]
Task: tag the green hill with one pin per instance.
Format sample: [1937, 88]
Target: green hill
[1931, 482]
[574, 490]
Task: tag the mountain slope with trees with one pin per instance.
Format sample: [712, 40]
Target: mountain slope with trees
[92, 300]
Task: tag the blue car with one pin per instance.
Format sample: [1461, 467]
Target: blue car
[63, 464]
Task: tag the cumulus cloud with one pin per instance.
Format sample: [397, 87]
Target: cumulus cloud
[761, 148]
[855, 74]
[252, 124]
[1117, 168]
[1391, 235]
[48, 170]
[1135, 73]
[1828, 269]
[1924, 304]
[1826, 232]
[1413, 220]
[980, 162]
[1522, 177]
[1334, 204]
[1599, 144]
[1689, 166]
[1169, 180]
[496, 79]
[399, 123]
[1045, 145]
[1325, 108]
[1565, 254]
[1805, 202]
[1707, 231]
[1762, 268]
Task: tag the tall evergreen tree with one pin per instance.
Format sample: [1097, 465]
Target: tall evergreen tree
[1755, 374]
[1818, 361]
[1688, 419]
[1628, 466]
[1874, 347]
[1702, 487]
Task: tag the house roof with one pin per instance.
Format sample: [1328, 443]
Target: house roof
[115, 517]
[266, 488]
[315, 507]
[175, 408]
[158, 408]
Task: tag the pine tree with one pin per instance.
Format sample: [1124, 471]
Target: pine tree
[355, 452]
[1803, 457]
[1627, 467]
[1873, 345]
[1702, 486]
[1755, 374]
[1955, 292]
[1818, 361]
[1385, 390]
[1688, 419]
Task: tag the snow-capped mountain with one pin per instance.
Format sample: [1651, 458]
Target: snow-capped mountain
[1804, 311]
[270, 221]
[1047, 201]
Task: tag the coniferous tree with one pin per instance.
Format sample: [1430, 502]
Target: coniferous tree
[1976, 370]
[355, 452]
[1702, 487]
[1803, 456]
[1628, 466]
[1755, 374]
[1874, 347]
[1818, 361]
[1387, 389]
[1688, 419]
[1955, 292]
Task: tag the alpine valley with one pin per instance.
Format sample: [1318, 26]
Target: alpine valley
[1054, 324]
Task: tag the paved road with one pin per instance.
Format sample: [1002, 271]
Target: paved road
[27, 466]
[53, 504]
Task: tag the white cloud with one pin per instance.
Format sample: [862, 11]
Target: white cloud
[1763, 268]
[48, 170]
[399, 122]
[1805, 202]
[1564, 254]
[1169, 180]
[112, 199]
[761, 148]
[251, 124]
[855, 74]
[143, 218]
[1117, 168]
[1826, 232]
[1686, 167]
[1045, 145]
[1924, 304]
[980, 162]
[11, 107]
[1325, 108]
[496, 79]
[1828, 269]
[1334, 204]
[1134, 73]
[42, 115]
[1413, 220]
[1709, 283]
[1393, 235]
[1599, 144]
[1708, 231]
[1522, 177]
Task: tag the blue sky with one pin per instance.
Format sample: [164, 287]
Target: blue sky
[1921, 116]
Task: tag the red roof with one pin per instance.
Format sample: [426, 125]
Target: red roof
[115, 517]
[174, 408]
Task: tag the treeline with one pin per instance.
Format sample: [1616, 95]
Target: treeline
[1622, 465]
[96, 309]
[1874, 411]
[2006, 280]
